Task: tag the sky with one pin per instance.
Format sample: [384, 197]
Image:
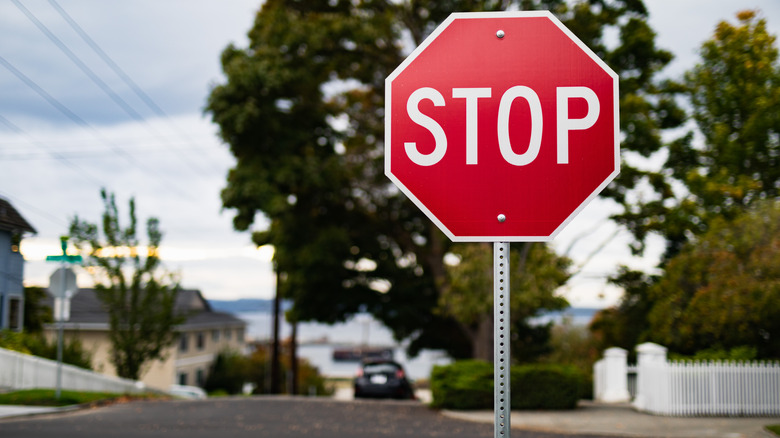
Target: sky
[111, 95]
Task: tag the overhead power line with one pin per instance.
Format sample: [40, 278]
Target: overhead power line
[116, 98]
[54, 154]
[39, 211]
[80, 64]
[81, 122]
[145, 98]
[110, 62]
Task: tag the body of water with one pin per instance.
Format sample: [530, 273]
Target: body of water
[317, 341]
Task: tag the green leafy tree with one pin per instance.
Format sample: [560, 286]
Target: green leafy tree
[536, 273]
[258, 370]
[723, 292]
[625, 325]
[138, 298]
[302, 111]
[228, 373]
[36, 314]
[734, 93]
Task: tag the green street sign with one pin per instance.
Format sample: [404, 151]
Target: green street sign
[64, 258]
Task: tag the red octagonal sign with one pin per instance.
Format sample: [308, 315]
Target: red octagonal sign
[502, 126]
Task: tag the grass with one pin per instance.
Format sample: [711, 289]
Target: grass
[46, 397]
[775, 429]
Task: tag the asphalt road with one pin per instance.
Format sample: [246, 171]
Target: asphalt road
[254, 417]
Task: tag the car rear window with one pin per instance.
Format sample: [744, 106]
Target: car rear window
[380, 368]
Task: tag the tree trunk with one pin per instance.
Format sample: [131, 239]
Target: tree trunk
[294, 359]
[482, 339]
[275, 379]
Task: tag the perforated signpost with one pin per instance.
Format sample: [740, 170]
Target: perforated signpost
[501, 127]
[62, 285]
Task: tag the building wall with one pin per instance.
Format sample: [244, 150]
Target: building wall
[188, 366]
[11, 284]
[198, 348]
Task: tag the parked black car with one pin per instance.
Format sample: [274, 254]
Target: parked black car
[382, 378]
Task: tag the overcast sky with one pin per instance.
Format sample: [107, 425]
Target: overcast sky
[111, 94]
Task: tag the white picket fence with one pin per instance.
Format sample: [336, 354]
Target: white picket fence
[661, 387]
[710, 388]
[22, 371]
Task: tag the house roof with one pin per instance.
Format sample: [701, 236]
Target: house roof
[86, 309]
[11, 220]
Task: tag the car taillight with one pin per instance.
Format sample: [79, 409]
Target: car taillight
[360, 372]
[399, 374]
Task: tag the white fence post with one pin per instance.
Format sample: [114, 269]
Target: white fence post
[599, 380]
[613, 374]
[650, 383]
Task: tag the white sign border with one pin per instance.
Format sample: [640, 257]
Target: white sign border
[483, 15]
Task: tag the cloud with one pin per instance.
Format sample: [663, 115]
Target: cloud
[52, 168]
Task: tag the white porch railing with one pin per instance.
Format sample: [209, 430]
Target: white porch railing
[694, 388]
[22, 371]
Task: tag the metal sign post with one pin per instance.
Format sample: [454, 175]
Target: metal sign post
[62, 285]
[501, 350]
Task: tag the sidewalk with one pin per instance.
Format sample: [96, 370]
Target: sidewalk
[622, 420]
[7, 411]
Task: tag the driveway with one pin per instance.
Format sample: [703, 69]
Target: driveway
[255, 417]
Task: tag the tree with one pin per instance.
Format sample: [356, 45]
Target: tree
[36, 314]
[735, 98]
[625, 325]
[723, 292]
[734, 93]
[301, 110]
[228, 373]
[139, 300]
[536, 273]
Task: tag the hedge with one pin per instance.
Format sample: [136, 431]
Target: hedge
[469, 385]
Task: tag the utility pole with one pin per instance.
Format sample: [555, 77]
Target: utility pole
[275, 381]
[294, 358]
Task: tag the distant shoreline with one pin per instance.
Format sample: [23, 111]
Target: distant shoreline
[579, 315]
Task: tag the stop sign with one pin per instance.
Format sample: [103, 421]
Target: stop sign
[502, 126]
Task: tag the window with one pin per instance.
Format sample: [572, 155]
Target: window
[227, 334]
[215, 336]
[183, 342]
[199, 377]
[200, 339]
[240, 335]
[182, 378]
[14, 314]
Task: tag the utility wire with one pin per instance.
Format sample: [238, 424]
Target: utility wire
[56, 155]
[41, 212]
[118, 70]
[81, 122]
[93, 76]
[125, 78]
[80, 64]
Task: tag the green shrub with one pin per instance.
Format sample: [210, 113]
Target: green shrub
[469, 385]
[228, 373]
[72, 353]
[546, 386]
[14, 341]
[464, 384]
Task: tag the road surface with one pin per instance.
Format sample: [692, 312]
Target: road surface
[254, 417]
